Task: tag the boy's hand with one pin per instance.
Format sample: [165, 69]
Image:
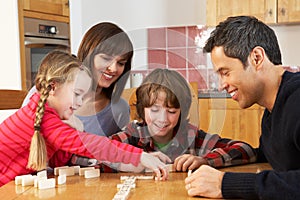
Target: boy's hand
[188, 162]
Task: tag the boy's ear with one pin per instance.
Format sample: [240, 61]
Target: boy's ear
[257, 56]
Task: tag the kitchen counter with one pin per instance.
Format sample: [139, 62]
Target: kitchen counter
[209, 95]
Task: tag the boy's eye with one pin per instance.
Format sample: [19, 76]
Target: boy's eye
[172, 112]
[154, 110]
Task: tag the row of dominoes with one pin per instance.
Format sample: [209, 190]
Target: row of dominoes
[125, 187]
[128, 182]
[41, 180]
[87, 172]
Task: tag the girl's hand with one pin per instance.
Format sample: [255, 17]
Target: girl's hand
[159, 168]
[163, 157]
[188, 162]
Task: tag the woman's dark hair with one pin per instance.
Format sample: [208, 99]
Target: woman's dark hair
[107, 38]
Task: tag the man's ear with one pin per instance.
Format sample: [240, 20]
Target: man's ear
[257, 57]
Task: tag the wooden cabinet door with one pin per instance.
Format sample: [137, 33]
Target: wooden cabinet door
[56, 7]
[219, 10]
[288, 11]
[226, 118]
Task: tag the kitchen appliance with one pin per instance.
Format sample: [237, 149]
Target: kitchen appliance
[41, 37]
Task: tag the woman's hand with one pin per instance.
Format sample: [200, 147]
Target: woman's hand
[156, 165]
[188, 162]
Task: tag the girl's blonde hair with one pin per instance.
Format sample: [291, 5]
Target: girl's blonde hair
[57, 67]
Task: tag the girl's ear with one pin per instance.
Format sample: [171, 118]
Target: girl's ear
[52, 91]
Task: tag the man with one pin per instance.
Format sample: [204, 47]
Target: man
[246, 55]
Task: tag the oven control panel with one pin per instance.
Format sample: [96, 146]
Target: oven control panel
[47, 29]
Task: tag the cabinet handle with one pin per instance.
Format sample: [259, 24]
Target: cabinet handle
[282, 11]
[270, 12]
[67, 4]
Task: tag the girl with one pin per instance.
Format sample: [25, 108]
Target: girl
[32, 136]
[163, 103]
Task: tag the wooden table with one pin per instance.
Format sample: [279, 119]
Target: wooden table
[105, 187]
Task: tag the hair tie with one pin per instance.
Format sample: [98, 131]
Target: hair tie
[37, 128]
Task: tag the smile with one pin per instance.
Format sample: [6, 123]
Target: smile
[107, 76]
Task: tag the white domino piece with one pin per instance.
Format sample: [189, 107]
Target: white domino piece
[66, 171]
[61, 179]
[18, 179]
[57, 168]
[46, 184]
[144, 177]
[81, 170]
[28, 180]
[190, 172]
[76, 169]
[122, 178]
[42, 174]
[91, 173]
[119, 186]
[37, 179]
[171, 168]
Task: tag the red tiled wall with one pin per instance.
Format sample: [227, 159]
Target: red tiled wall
[174, 48]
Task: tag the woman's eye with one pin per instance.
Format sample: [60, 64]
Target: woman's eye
[121, 63]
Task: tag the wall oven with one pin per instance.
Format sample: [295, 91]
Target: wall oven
[41, 37]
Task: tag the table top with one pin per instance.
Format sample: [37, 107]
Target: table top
[105, 187]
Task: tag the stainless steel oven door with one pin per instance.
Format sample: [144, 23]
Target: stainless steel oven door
[35, 50]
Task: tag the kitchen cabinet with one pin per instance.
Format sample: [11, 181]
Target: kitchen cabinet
[268, 11]
[57, 10]
[224, 117]
[288, 11]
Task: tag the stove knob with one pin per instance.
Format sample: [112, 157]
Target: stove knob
[52, 30]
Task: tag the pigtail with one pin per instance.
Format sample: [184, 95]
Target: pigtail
[38, 152]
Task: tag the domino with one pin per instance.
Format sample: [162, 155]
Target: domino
[171, 167]
[28, 180]
[119, 186]
[57, 168]
[76, 169]
[18, 179]
[145, 177]
[37, 179]
[91, 173]
[66, 171]
[61, 179]
[46, 184]
[190, 172]
[42, 174]
[81, 170]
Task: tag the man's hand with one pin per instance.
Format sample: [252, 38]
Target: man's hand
[206, 182]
